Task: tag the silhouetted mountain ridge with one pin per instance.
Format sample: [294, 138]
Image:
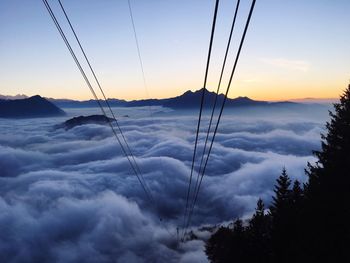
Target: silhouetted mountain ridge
[35, 106]
[82, 120]
[187, 100]
[15, 97]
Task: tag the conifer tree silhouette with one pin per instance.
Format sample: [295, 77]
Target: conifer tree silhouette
[305, 224]
[328, 190]
[259, 235]
[217, 247]
[280, 211]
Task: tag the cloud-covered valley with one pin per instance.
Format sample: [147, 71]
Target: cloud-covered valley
[71, 196]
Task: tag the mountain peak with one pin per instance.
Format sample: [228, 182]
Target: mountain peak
[36, 97]
[243, 98]
[205, 91]
[210, 94]
[35, 106]
[199, 92]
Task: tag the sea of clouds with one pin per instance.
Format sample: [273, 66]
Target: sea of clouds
[71, 196]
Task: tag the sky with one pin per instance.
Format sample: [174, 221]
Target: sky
[293, 49]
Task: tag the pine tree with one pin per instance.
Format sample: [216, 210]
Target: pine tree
[238, 228]
[218, 245]
[259, 235]
[282, 191]
[280, 211]
[227, 245]
[297, 194]
[328, 190]
[296, 222]
[260, 209]
[240, 250]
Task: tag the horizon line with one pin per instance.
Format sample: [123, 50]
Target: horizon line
[303, 99]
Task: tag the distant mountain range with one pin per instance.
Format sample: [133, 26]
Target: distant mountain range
[16, 97]
[315, 100]
[187, 100]
[35, 106]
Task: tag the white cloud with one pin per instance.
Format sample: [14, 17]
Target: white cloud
[70, 196]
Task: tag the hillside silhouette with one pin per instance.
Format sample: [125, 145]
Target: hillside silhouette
[83, 120]
[35, 106]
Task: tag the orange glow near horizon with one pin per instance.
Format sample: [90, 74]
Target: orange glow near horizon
[272, 93]
[258, 89]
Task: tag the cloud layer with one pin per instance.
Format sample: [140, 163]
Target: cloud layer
[70, 196]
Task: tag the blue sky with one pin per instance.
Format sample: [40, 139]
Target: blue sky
[294, 49]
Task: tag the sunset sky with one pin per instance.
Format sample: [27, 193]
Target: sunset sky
[294, 48]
